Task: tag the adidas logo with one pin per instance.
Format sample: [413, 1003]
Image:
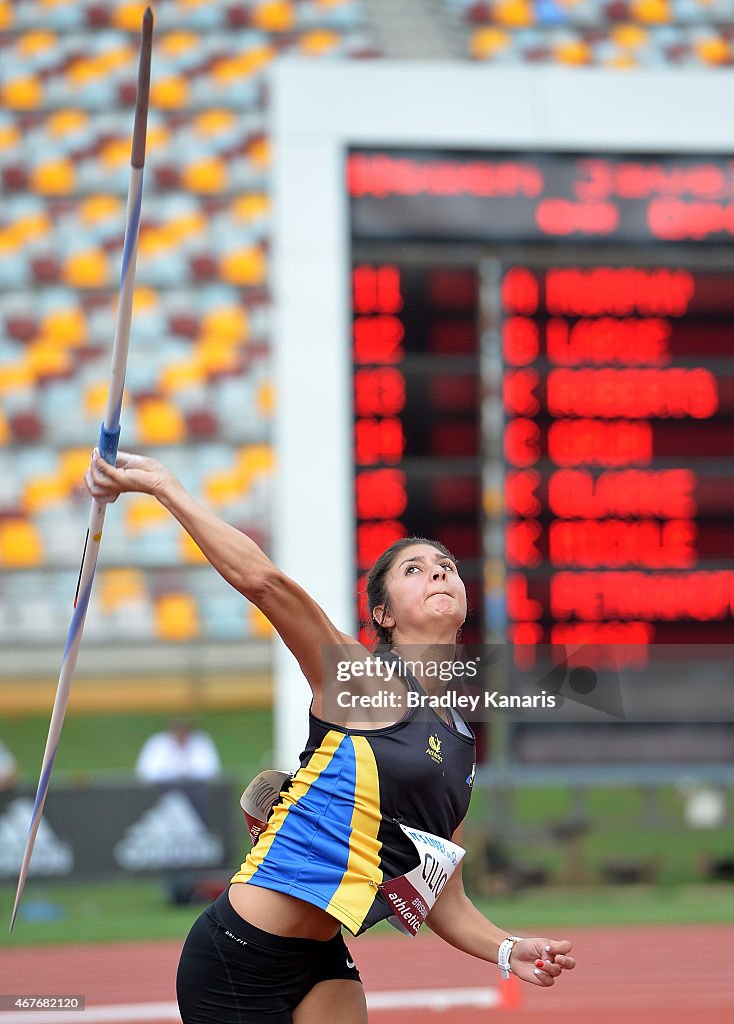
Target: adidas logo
[51, 856]
[170, 834]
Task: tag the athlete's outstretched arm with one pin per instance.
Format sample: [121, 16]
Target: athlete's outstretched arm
[457, 921]
[299, 620]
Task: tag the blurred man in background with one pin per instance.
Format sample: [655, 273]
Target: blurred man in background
[8, 768]
[180, 754]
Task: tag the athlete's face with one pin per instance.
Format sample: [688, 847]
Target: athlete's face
[427, 598]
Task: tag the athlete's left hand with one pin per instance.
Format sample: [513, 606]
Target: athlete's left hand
[541, 961]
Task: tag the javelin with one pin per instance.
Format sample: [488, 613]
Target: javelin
[108, 441]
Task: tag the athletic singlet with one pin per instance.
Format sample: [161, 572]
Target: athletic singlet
[334, 836]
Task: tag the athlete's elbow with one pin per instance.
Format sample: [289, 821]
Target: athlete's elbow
[265, 588]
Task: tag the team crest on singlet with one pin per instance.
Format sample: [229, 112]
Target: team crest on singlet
[434, 749]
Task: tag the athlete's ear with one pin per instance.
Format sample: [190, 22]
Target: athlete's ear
[382, 617]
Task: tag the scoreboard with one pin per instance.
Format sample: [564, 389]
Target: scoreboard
[543, 379]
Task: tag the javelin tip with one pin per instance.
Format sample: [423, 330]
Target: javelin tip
[143, 91]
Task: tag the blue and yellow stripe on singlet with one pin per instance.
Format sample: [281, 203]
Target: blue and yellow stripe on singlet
[321, 840]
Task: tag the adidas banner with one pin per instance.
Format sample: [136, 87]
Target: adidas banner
[113, 829]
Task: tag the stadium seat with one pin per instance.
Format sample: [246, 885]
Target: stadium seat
[176, 617]
[20, 544]
[274, 15]
[159, 422]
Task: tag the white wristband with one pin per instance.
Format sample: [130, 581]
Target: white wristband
[504, 954]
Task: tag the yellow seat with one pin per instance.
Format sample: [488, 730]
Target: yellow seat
[159, 422]
[179, 376]
[575, 52]
[191, 553]
[227, 70]
[93, 210]
[73, 464]
[175, 44]
[259, 625]
[16, 377]
[5, 435]
[129, 16]
[244, 266]
[259, 152]
[54, 178]
[208, 175]
[265, 399]
[31, 43]
[514, 13]
[622, 62]
[185, 226]
[142, 512]
[318, 41]
[216, 358]
[65, 327]
[651, 12]
[47, 359]
[115, 153]
[6, 15]
[488, 41]
[170, 93]
[33, 226]
[23, 93]
[715, 50]
[95, 399]
[250, 207]
[20, 544]
[629, 37]
[224, 487]
[117, 57]
[212, 122]
[9, 135]
[87, 269]
[144, 298]
[152, 241]
[119, 587]
[229, 325]
[256, 459]
[63, 122]
[85, 71]
[176, 617]
[274, 16]
[42, 491]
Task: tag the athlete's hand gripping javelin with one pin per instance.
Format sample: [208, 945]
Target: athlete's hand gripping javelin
[131, 473]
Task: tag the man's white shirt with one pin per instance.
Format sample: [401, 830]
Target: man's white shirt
[165, 759]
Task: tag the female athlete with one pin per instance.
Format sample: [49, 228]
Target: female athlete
[370, 826]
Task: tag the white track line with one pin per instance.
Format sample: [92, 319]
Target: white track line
[417, 999]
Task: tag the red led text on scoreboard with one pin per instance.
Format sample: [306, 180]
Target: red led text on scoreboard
[552, 195]
[588, 374]
[379, 401]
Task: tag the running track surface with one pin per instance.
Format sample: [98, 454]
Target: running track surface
[641, 975]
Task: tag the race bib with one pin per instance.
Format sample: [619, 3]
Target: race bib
[258, 799]
[412, 895]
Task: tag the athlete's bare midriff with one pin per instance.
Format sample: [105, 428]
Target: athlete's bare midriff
[281, 914]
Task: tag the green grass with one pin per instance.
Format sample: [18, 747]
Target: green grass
[552, 908]
[129, 911]
[97, 745]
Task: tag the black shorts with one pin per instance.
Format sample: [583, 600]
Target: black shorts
[233, 973]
